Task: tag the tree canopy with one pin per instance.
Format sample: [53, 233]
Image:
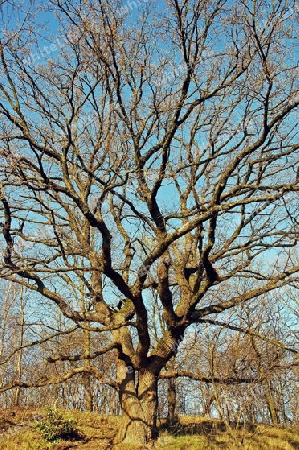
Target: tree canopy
[149, 170]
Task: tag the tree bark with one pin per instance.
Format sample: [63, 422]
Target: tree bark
[87, 376]
[271, 404]
[19, 367]
[172, 417]
[138, 399]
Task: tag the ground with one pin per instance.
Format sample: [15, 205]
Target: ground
[96, 432]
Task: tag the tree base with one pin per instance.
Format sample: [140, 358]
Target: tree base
[134, 433]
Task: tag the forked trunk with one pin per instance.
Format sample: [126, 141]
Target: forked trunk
[139, 408]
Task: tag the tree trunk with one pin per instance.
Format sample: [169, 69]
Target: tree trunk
[88, 392]
[271, 404]
[138, 399]
[172, 417]
[87, 376]
[20, 344]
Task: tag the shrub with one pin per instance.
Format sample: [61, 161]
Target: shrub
[56, 426]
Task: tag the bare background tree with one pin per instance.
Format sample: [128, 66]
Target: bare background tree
[149, 186]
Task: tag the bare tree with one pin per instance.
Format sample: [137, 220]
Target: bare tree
[242, 370]
[148, 163]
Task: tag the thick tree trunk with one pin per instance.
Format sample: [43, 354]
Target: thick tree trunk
[138, 399]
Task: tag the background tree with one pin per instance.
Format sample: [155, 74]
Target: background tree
[148, 162]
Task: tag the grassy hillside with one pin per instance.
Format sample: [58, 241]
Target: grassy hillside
[95, 432]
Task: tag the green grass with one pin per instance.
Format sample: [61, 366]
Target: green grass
[17, 432]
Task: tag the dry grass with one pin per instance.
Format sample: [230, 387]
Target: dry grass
[195, 433]
[17, 432]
